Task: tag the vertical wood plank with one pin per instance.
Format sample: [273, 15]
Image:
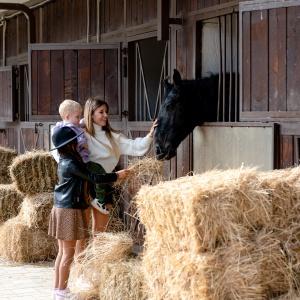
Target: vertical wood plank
[70, 74]
[293, 58]
[57, 80]
[246, 44]
[34, 82]
[97, 73]
[259, 61]
[287, 151]
[44, 91]
[84, 75]
[277, 59]
[111, 81]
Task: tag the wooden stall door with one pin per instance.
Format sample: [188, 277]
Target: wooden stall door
[7, 94]
[66, 71]
[269, 60]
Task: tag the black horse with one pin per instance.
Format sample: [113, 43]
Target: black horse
[188, 103]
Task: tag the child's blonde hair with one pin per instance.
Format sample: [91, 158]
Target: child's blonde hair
[69, 106]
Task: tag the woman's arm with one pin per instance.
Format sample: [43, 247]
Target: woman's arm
[138, 146]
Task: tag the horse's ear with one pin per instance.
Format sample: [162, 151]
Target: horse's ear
[176, 77]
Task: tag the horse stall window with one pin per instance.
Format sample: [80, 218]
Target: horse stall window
[217, 53]
[148, 66]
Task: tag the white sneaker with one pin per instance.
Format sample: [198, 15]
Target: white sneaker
[100, 206]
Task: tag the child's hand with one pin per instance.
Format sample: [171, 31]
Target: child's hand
[123, 173]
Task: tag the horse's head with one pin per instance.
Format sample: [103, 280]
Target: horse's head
[175, 118]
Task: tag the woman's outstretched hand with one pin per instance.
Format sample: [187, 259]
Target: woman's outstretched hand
[154, 125]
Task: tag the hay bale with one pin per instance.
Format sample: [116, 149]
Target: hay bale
[34, 172]
[20, 243]
[202, 212]
[283, 187]
[276, 269]
[121, 280]
[6, 157]
[291, 295]
[35, 210]
[10, 200]
[86, 270]
[251, 269]
[180, 275]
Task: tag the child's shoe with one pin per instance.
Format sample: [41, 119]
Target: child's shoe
[100, 206]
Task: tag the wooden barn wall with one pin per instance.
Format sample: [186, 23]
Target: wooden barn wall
[73, 74]
[193, 5]
[287, 149]
[270, 61]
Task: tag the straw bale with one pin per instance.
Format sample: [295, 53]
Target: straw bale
[275, 267]
[10, 200]
[291, 295]
[121, 280]
[34, 172]
[35, 210]
[104, 248]
[6, 157]
[181, 275]
[201, 212]
[283, 187]
[21, 243]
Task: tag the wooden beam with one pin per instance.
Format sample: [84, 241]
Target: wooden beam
[162, 20]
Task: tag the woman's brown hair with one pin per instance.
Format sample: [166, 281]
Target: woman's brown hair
[90, 106]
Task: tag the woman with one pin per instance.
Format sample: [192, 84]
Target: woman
[106, 145]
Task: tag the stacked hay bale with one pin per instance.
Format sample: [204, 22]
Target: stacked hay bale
[106, 269]
[221, 235]
[6, 157]
[24, 238]
[10, 201]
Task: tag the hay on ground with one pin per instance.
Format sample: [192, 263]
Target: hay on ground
[35, 210]
[20, 243]
[10, 200]
[34, 172]
[6, 157]
[202, 212]
[104, 248]
[121, 280]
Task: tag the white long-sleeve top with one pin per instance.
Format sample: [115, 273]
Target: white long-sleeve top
[101, 151]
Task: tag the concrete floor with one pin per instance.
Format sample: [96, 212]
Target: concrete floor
[26, 281]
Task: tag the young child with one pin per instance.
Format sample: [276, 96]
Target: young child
[67, 219]
[70, 112]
